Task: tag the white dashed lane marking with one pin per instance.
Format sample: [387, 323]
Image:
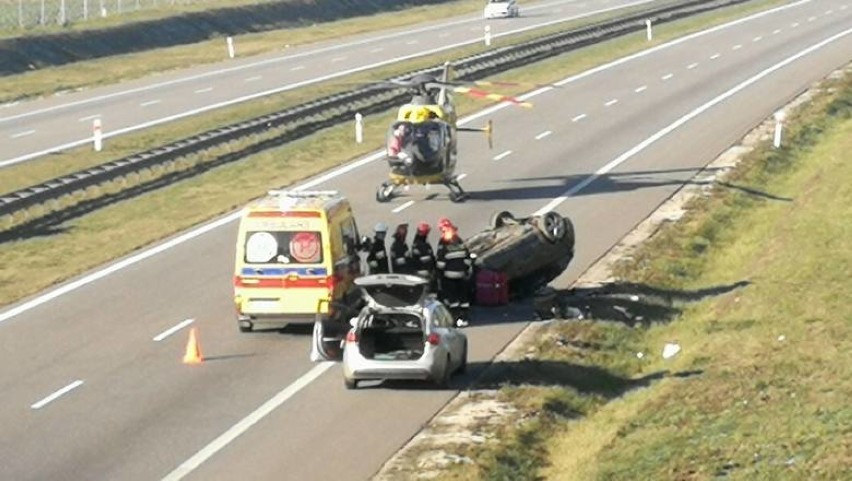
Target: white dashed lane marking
[578, 118]
[403, 207]
[56, 395]
[757, 39]
[692, 66]
[811, 19]
[204, 90]
[338, 59]
[168, 332]
[461, 176]
[794, 24]
[641, 88]
[412, 42]
[149, 103]
[299, 67]
[667, 76]
[829, 12]
[22, 134]
[503, 155]
[543, 135]
[715, 56]
[736, 47]
[611, 102]
[254, 79]
[88, 117]
[776, 31]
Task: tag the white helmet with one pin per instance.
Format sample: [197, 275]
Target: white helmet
[380, 227]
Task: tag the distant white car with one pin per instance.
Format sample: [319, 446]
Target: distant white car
[501, 9]
[402, 334]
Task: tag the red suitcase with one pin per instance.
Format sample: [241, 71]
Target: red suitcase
[492, 288]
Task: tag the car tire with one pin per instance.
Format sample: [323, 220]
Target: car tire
[350, 383]
[443, 381]
[499, 219]
[552, 226]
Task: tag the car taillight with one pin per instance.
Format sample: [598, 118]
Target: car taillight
[433, 339]
[351, 336]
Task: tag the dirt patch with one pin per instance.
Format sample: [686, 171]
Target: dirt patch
[27, 53]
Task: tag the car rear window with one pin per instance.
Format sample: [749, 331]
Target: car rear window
[283, 247]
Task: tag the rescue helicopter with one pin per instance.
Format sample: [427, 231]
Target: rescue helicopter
[422, 147]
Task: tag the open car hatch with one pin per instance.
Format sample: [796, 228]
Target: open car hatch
[393, 290]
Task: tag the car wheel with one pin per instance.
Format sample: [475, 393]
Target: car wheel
[552, 226]
[500, 219]
[443, 381]
[350, 383]
[246, 326]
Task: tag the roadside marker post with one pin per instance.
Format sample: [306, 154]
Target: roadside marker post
[230, 41]
[97, 135]
[488, 35]
[359, 128]
[648, 32]
[779, 125]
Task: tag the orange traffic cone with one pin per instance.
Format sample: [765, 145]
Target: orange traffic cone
[193, 349]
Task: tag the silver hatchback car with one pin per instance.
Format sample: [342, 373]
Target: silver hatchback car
[402, 333]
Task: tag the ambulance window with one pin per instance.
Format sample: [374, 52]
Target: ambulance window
[350, 236]
[280, 247]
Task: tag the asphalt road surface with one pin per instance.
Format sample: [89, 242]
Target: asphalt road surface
[90, 394]
[33, 129]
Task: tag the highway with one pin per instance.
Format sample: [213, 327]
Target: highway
[90, 394]
[33, 129]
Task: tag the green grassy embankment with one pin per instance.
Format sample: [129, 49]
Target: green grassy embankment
[761, 388]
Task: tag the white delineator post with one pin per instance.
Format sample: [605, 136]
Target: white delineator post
[359, 128]
[488, 35]
[779, 122]
[648, 32]
[230, 41]
[97, 135]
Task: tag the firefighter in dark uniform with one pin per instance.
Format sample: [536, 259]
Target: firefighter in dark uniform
[454, 266]
[422, 256]
[400, 260]
[377, 256]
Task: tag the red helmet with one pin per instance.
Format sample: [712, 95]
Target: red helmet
[423, 228]
[444, 223]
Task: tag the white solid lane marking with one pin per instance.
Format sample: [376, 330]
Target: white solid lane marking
[776, 31]
[149, 103]
[247, 422]
[254, 79]
[757, 39]
[736, 47]
[56, 395]
[641, 88]
[345, 169]
[686, 118]
[543, 135]
[578, 118]
[611, 102]
[692, 66]
[503, 155]
[667, 76]
[168, 332]
[22, 134]
[376, 50]
[715, 56]
[403, 207]
[298, 67]
[204, 90]
[11, 104]
[89, 117]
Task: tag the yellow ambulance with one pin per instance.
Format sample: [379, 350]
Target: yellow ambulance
[296, 257]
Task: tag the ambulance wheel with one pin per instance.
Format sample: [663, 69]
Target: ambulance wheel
[552, 226]
[384, 192]
[500, 219]
[246, 326]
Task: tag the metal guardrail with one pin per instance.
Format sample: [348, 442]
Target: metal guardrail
[308, 118]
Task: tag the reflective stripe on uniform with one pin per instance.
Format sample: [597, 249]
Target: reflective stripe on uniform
[465, 305]
[380, 255]
[454, 304]
[453, 274]
[456, 255]
[374, 264]
[422, 273]
[399, 261]
[441, 264]
[425, 258]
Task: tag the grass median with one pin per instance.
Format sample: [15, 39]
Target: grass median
[90, 240]
[753, 285]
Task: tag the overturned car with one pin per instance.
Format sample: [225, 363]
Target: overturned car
[530, 251]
